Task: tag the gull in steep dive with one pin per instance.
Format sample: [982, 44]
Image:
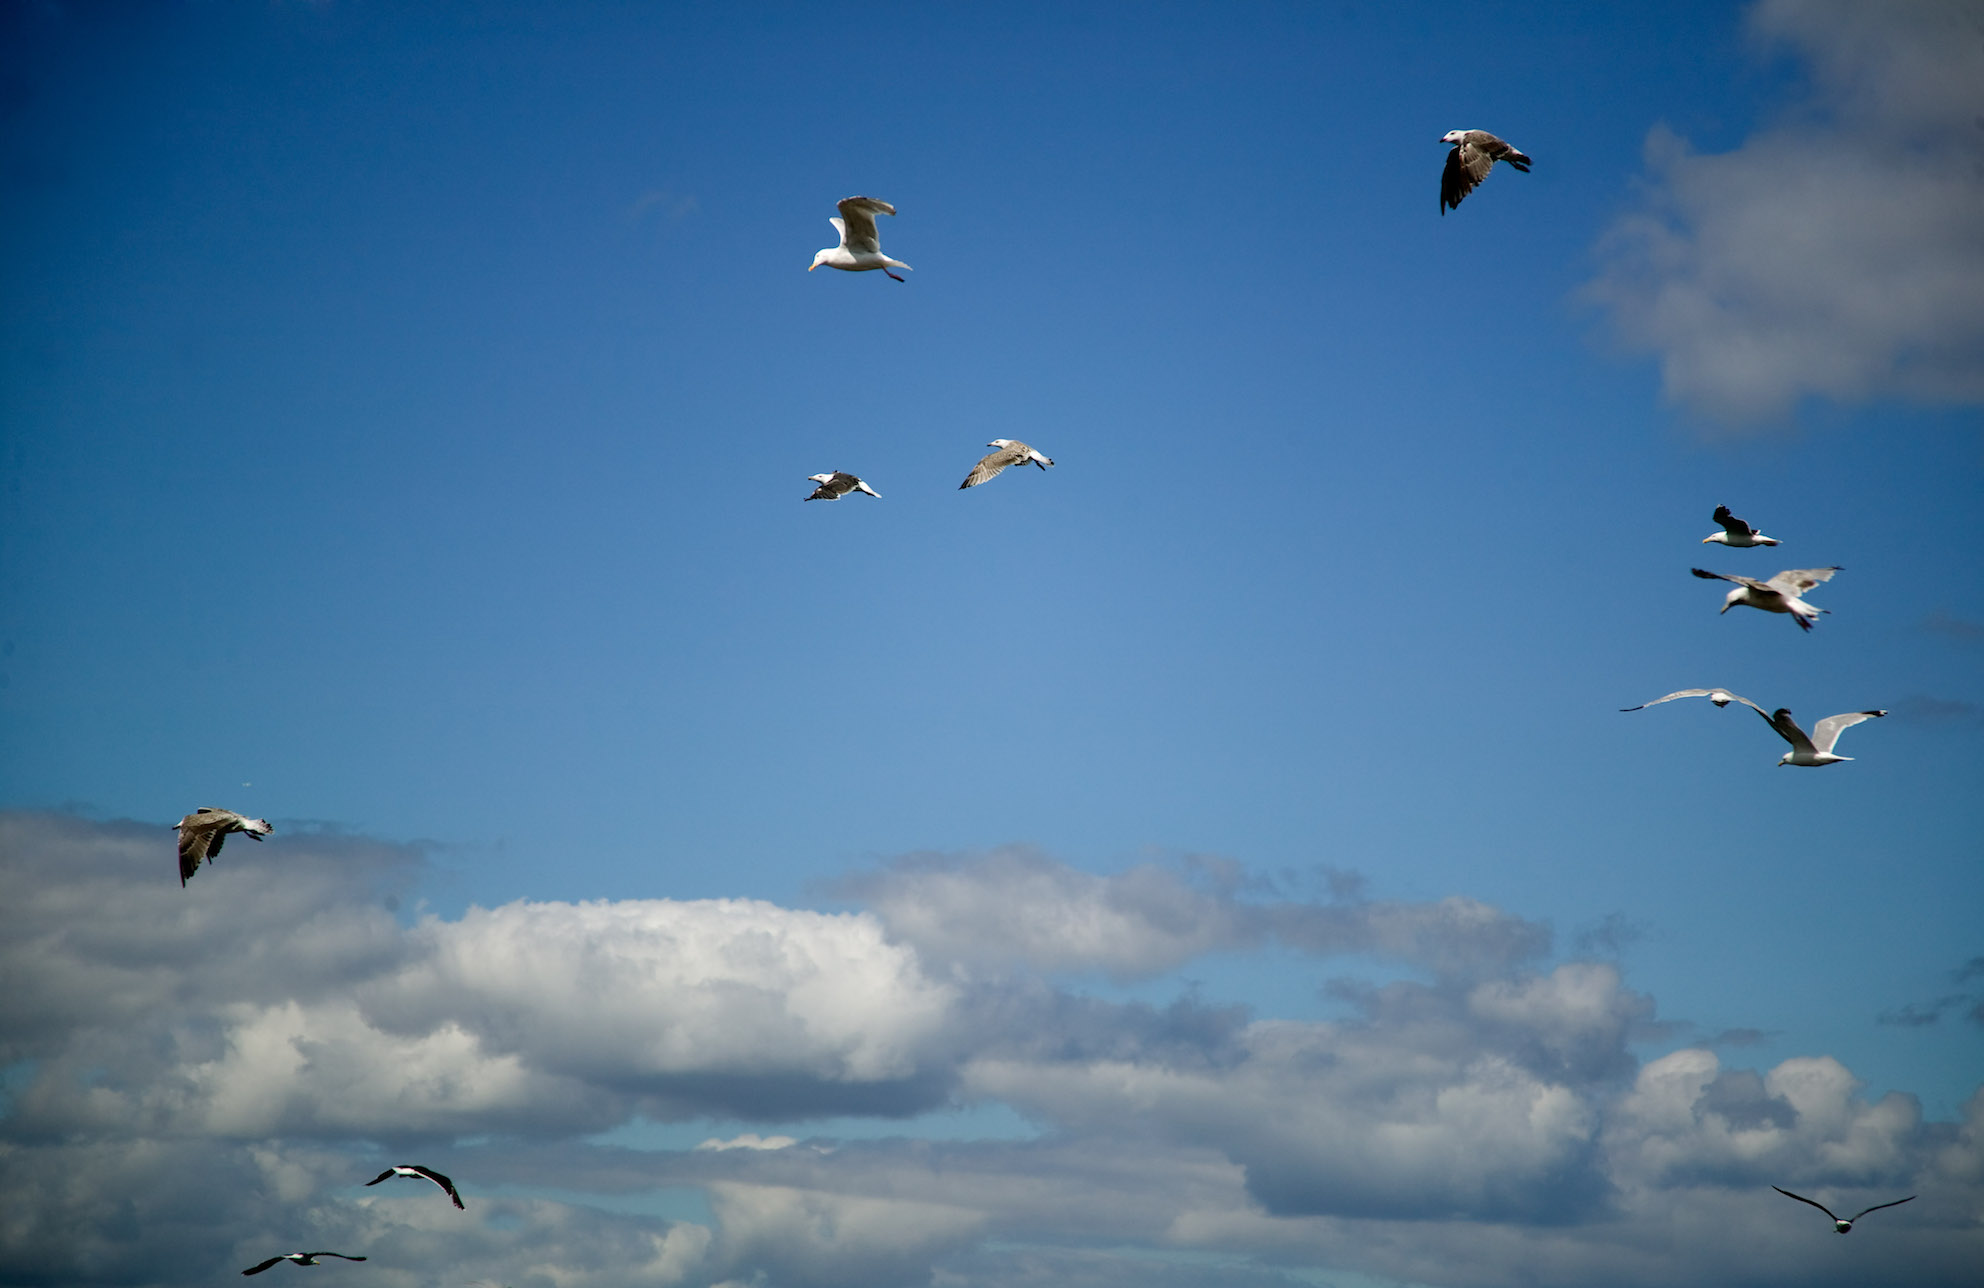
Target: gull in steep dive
[1475, 154]
[1011, 452]
[836, 485]
[1845, 1226]
[860, 246]
[202, 832]
[1778, 595]
[1735, 532]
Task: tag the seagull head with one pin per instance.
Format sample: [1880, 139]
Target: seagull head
[1454, 136]
[819, 478]
[1717, 538]
[819, 258]
[1000, 442]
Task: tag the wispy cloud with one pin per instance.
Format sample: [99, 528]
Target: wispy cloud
[1835, 253]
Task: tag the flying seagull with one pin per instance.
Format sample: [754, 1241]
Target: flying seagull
[860, 246]
[1475, 153]
[1011, 452]
[202, 832]
[1720, 697]
[1735, 532]
[300, 1258]
[1816, 750]
[1778, 595]
[836, 485]
[427, 1172]
[1846, 1226]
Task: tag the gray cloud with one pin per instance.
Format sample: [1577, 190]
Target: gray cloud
[1835, 253]
[199, 1079]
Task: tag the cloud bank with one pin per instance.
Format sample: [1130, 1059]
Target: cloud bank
[195, 1080]
[1837, 253]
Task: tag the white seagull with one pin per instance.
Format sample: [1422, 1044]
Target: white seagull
[427, 1173]
[836, 485]
[1735, 532]
[1475, 153]
[1778, 595]
[1720, 697]
[1846, 1226]
[300, 1258]
[860, 246]
[202, 832]
[1011, 452]
[1816, 750]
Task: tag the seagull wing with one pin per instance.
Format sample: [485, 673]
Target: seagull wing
[1802, 1199]
[1788, 729]
[1826, 732]
[1734, 526]
[1751, 582]
[339, 1255]
[386, 1175]
[1467, 166]
[1697, 693]
[860, 232]
[1796, 581]
[1878, 1206]
[443, 1182]
[256, 1270]
[992, 464]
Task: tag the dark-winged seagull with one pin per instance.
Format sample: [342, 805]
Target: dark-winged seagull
[202, 831]
[1011, 452]
[1735, 532]
[838, 484]
[1475, 154]
[1778, 595]
[860, 246]
[1720, 697]
[1845, 1226]
[419, 1171]
[300, 1258]
[1815, 751]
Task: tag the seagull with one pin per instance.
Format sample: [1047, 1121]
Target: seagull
[1778, 595]
[836, 485]
[1720, 697]
[202, 831]
[1846, 1226]
[1011, 452]
[300, 1258]
[427, 1172]
[1475, 153]
[860, 246]
[1816, 750]
[1735, 532]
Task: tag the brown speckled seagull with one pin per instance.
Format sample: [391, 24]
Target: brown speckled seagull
[202, 831]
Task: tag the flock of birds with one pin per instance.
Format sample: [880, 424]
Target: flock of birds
[1780, 594]
[1474, 154]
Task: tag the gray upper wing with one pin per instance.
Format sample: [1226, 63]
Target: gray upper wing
[860, 232]
[1796, 581]
[1826, 732]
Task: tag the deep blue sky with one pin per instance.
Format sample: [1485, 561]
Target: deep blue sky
[407, 416]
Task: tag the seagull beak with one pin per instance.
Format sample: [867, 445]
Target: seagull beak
[812, 266]
[1706, 540]
[1720, 611]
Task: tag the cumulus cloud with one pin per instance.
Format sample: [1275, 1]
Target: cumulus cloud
[198, 1079]
[1836, 253]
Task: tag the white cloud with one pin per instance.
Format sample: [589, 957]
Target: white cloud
[191, 1091]
[1836, 252]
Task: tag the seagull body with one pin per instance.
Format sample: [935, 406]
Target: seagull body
[1720, 697]
[1475, 154]
[1845, 1226]
[300, 1258]
[1778, 595]
[860, 246]
[202, 831]
[424, 1173]
[1815, 751]
[838, 484]
[1735, 532]
[1011, 452]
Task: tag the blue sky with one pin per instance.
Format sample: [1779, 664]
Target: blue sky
[407, 417]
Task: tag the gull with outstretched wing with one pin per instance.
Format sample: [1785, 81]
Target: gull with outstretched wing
[860, 246]
[1780, 594]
